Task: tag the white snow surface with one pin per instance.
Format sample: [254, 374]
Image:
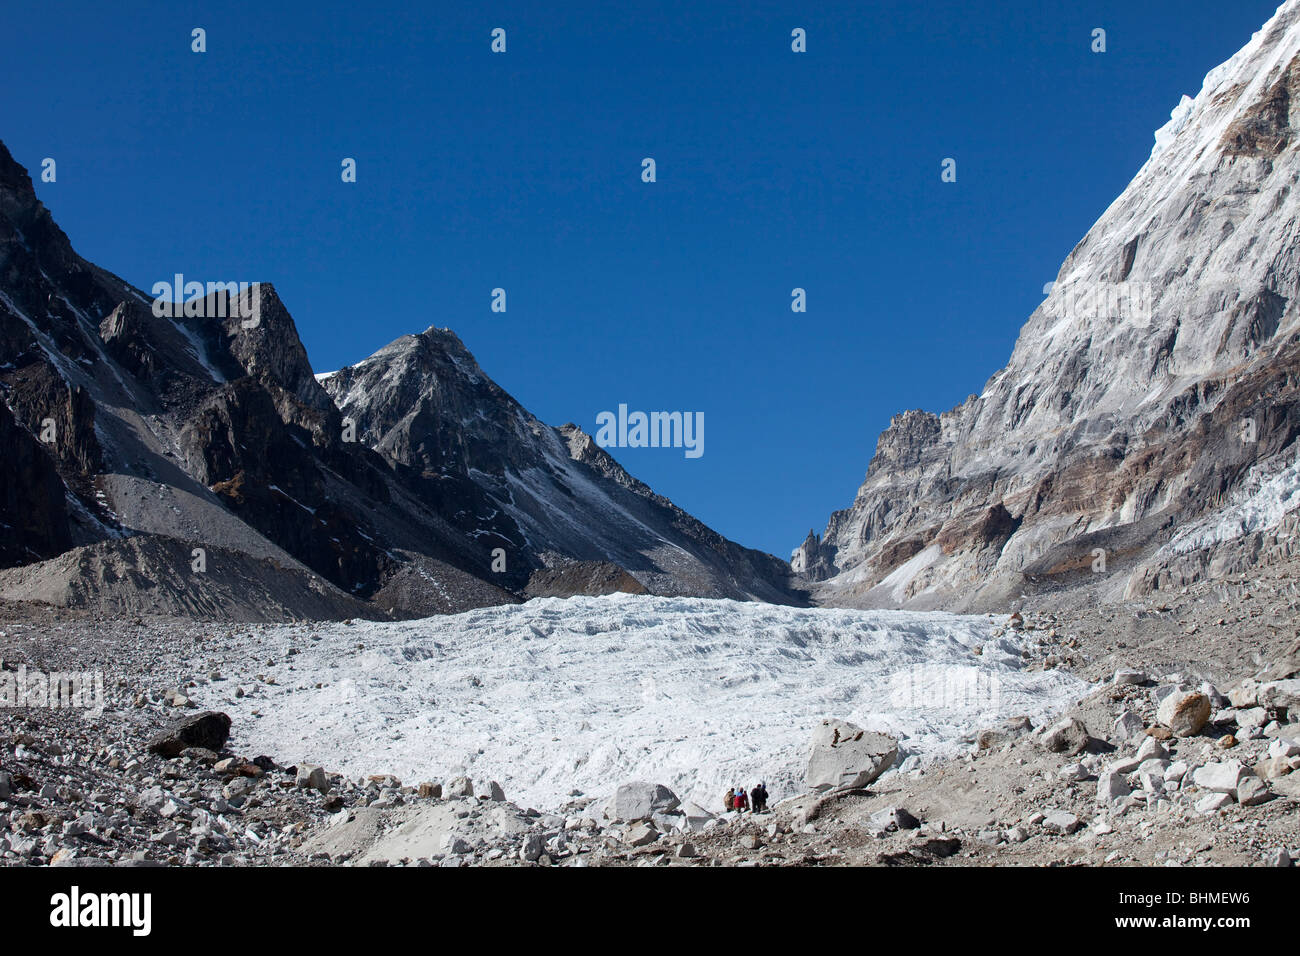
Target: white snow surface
[583, 694]
[1177, 120]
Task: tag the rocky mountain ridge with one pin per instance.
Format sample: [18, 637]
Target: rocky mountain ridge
[210, 429]
[1142, 435]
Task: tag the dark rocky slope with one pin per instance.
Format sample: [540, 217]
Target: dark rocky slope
[211, 430]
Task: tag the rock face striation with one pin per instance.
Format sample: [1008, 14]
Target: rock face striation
[1142, 435]
[194, 461]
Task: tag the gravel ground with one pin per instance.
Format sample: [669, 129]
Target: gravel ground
[82, 789]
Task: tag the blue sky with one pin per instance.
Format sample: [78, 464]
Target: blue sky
[521, 170]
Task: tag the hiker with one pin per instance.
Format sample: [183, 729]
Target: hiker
[742, 800]
[758, 797]
[729, 801]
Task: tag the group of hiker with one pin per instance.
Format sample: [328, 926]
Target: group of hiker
[754, 801]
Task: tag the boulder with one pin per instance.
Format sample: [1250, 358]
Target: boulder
[1251, 791]
[1068, 737]
[239, 787]
[1245, 694]
[697, 818]
[1284, 747]
[1220, 777]
[1184, 712]
[638, 800]
[894, 818]
[1061, 821]
[641, 834]
[1003, 734]
[843, 756]
[1111, 786]
[1250, 717]
[669, 822]
[1212, 802]
[1128, 726]
[312, 777]
[208, 730]
[458, 788]
[456, 844]
[1288, 786]
[1280, 693]
[533, 848]
[1152, 749]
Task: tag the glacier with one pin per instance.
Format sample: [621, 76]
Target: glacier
[560, 697]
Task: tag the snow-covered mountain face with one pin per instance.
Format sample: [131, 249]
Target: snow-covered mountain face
[211, 429]
[545, 496]
[1143, 432]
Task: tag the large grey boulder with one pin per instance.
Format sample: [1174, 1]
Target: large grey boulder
[1184, 713]
[458, 788]
[312, 777]
[639, 800]
[1252, 791]
[697, 818]
[1111, 786]
[208, 730]
[641, 834]
[1280, 693]
[1068, 736]
[1220, 777]
[843, 756]
[533, 848]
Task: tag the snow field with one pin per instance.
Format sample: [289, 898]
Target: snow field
[582, 694]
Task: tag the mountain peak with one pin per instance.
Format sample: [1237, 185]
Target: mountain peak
[1117, 417]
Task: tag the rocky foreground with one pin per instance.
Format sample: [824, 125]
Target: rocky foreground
[1185, 751]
